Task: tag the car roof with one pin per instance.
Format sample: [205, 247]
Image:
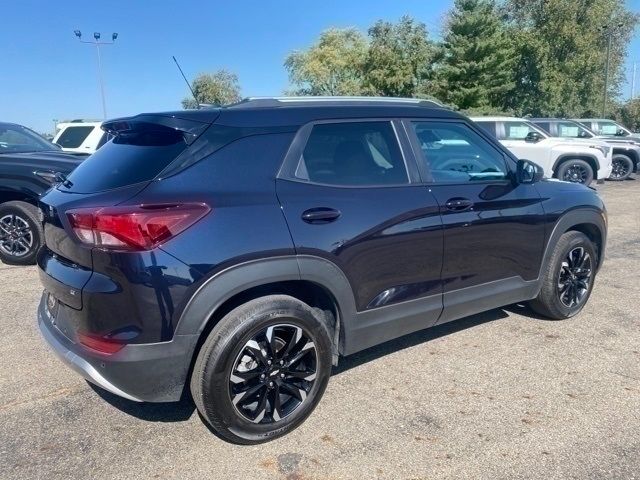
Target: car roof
[593, 120]
[78, 124]
[499, 119]
[295, 111]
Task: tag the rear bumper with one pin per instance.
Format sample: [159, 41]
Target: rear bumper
[143, 372]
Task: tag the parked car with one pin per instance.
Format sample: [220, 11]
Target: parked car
[80, 137]
[28, 167]
[626, 154]
[572, 160]
[240, 251]
[608, 128]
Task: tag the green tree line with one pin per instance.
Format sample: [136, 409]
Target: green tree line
[520, 57]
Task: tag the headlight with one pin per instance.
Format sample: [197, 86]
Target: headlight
[603, 148]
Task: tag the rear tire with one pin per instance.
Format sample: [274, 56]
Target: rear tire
[21, 233]
[262, 369]
[622, 166]
[568, 277]
[575, 171]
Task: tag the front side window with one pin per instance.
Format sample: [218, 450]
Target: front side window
[352, 153]
[515, 130]
[572, 130]
[72, 137]
[489, 127]
[455, 153]
[608, 128]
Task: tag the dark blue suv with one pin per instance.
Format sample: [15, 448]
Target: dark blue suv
[241, 251]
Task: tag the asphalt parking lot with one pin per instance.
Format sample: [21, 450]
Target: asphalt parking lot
[502, 395]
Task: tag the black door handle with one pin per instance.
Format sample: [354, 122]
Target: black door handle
[458, 204]
[320, 215]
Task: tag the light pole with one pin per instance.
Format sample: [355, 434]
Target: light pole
[609, 31]
[96, 41]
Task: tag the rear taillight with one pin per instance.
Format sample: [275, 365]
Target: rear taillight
[139, 227]
[100, 344]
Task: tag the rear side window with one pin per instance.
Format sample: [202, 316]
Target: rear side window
[352, 153]
[129, 158]
[72, 137]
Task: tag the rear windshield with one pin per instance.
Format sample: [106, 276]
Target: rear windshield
[72, 137]
[129, 158]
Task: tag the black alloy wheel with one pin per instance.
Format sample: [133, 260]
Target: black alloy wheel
[273, 373]
[621, 168]
[576, 173]
[574, 277]
[263, 368]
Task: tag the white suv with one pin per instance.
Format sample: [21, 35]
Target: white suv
[573, 160]
[80, 137]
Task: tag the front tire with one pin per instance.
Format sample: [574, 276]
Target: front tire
[568, 277]
[622, 166]
[21, 233]
[575, 171]
[262, 369]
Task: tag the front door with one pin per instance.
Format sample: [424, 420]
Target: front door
[493, 226]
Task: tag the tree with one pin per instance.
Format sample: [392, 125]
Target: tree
[398, 58]
[476, 62]
[218, 88]
[628, 114]
[562, 53]
[332, 66]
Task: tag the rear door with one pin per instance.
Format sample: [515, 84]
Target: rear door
[350, 196]
[493, 227]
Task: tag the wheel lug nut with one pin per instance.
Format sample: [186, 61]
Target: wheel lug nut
[268, 362]
[262, 376]
[270, 384]
[282, 375]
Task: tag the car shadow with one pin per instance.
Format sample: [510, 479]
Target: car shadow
[183, 410]
[413, 339]
[151, 412]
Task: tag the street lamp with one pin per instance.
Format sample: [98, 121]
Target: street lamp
[96, 41]
[608, 31]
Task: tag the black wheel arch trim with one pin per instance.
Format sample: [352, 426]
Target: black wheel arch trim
[573, 218]
[224, 285]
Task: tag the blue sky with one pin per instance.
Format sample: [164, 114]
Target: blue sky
[46, 73]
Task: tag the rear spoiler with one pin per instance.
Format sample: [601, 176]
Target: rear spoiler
[190, 128]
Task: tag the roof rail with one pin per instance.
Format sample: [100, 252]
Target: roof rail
[282, 101]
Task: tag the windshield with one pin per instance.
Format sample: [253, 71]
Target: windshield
[568, 129]
[19, 139]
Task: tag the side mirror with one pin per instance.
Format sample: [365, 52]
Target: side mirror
[620, 133]
[533, 137]
[583, 134]
[528, 172]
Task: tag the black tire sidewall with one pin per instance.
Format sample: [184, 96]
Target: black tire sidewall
[577, 240]
[216, 400]
[28, 213]
[567, 163]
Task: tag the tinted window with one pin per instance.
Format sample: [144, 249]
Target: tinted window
[572, 130]
[608, 128]
[489, 127]
[72, 137]
[18, 139]
[517, 130]
[352, 153]
[546, 126]
[129, 158]
[455, 153]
